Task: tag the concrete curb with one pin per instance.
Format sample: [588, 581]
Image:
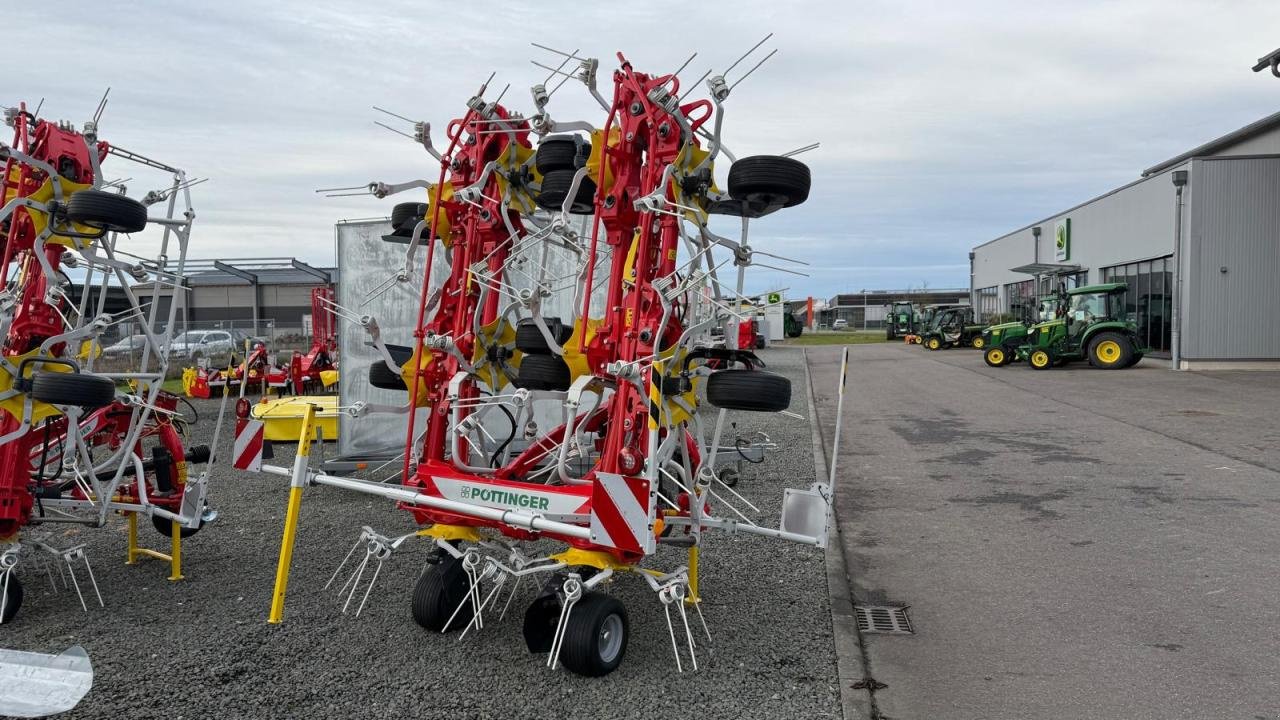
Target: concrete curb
[850, 669]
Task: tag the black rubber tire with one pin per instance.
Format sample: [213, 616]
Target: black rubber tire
[560, 152]
[1031, 358]
[888, 334]
[770, 180]
[986, 357]
[440, 589]
[1126, 351]
[381, 376]
[529, 338]
[89, 391]
[751, 390]
[405, 215]
[107, 211]
[583, 641]
[555, 188]
[1137, 356]
[13, 598]
[165, 527]
[543, 372]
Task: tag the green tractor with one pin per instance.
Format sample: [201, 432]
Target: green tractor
[901, 320]
[1093, 328]
[1003, 340]
[952, 327]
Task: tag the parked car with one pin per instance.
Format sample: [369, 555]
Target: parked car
[196, 344]
[840, 324]
[130, 345]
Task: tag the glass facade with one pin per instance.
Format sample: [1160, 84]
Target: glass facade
[1022, 297]
[988, 302]
[1149, 301]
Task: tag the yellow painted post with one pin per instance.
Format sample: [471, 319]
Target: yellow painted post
[132, 551]
[694, 597]
[175, 552]
[291, 515]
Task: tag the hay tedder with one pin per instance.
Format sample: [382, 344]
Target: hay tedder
[555, 429]
[78, 445]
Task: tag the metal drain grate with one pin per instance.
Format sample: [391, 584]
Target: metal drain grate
[883, 619]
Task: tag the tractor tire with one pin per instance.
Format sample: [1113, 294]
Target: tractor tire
[1137, 356]
[933, 343]
[1111, 351]
[769, 180]
[555, 188]
[381, 376]
[561, 152]
[596, 634]
[12, 588]
[750, 390]
[165, 527]
[543, 372]
[405, 215]
[529, 338]
[888, 334]
[978, 342]
[439, 592]
[88, 391]
[1040, 359]
[995, 357]
[107, 211]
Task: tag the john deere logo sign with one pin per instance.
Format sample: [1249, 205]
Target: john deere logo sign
[1062, 240]
[775, 298]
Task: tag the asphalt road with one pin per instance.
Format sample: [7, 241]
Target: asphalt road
[201, 648]
[1072, 543]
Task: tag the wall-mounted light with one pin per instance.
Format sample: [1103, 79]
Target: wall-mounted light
[1180, 178]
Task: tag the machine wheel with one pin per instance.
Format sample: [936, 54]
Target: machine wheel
[1134, 361]
[751, 390]
[440, 589]
[1111, 351]
[88, 391]
[529, 338]
[165, 527]
[888, 334]
[381, 376]
[555, 188]
[979, 342]
[560, 152]
[543, 372]
[407, 213]
[933, 343]
[995, 357]
[12, 597]
[107, 211]
[1041, 359]
[769, 180]
[595, 638]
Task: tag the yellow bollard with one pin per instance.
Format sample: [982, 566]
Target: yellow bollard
[291, 515]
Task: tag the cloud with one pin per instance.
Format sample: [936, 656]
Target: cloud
[942, 125]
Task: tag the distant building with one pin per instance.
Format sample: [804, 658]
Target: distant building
[869, 309]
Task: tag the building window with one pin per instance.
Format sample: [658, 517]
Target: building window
[1149, 301]
[1022, 298]
[988, 302]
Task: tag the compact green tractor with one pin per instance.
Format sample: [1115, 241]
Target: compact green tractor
[1093, 328]
[951, 327]
[1003, 340]
[901, 320]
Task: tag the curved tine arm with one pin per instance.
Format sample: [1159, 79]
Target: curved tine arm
[381, 190]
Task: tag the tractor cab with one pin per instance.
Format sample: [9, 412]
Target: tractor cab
[1093, 328]
[901, 320]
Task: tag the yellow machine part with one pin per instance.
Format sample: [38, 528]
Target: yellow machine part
[188, 379]
[451, 532]
[590, 558]
[40, 220]
[13, 406]
[672, 413]
[500, 333]
[689, 158]
[577, 361]
[89, 348]
[597, 149]
[328, 378]
[513, 158]
[444, 230]
[419, 361]
[282, 418]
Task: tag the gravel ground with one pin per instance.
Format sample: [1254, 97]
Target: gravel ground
[201, 648]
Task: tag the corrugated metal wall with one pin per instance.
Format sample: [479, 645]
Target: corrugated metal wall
[1233, 261]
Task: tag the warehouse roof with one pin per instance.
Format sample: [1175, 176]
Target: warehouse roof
[1215, 146]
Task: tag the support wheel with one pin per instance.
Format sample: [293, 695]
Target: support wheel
[529, 338]
[543, 372]
[751, 390]
[107, 211]
[555, 188]
[405, 215]
[440, 590]
[1111, 351]
[1040, 359]
[595, 639]
[89, 391]
[12, 588]
[769, 180]
[164, 526]
[561, 152]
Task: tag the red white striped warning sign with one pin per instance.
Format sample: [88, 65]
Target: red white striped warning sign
[247, 453]
[620, 513]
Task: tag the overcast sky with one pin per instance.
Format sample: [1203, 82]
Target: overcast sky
[942, 124]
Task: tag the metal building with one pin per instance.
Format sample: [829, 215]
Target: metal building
[868, 309]
[1207, 220]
